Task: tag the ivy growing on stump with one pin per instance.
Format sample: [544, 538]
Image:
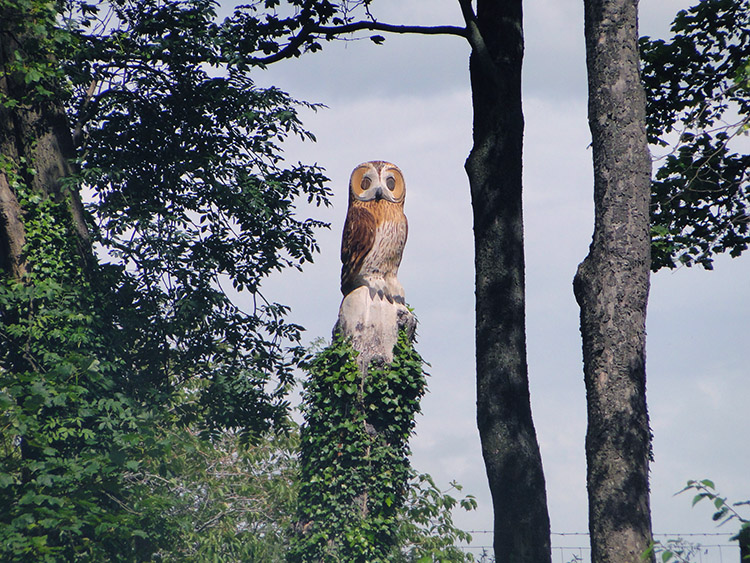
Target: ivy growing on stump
[354, 452]
[363, 390]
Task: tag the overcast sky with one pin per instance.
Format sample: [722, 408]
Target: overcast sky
[408, 101]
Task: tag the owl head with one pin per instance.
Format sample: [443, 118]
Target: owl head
[377, 180]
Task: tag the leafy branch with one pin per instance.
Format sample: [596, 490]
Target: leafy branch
[681, 551]
[724, 511]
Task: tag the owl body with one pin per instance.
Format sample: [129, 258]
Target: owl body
[375, 231]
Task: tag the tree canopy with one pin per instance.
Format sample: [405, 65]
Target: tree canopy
[191, 198]
[698, 108]
[107, 349]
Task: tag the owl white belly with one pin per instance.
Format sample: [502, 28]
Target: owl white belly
[380, 266]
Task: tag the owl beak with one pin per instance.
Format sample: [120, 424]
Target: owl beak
[379, 193]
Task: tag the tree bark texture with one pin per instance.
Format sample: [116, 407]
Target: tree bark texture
[509, 444]
[35, 150]
[612, 285]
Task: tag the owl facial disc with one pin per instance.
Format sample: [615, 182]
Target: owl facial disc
[373, 181]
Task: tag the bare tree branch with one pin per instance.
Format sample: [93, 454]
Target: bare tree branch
[390, 28]
[310, 31]
[473, 35]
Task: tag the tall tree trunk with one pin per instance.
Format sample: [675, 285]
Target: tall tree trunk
[35, 147]
[611, 287]
[509, 443]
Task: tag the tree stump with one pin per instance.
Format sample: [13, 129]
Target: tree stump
[373, 323]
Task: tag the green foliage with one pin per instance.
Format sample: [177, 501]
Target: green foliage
[724, 511]
[426, 532]
[34, 25]
[680, 551]
[272, 28]
[68, 430]
[676, 550]
[103, 371]
[354, 453]
[238, 502]
[698, 91]
[232, 501]
[182, 155]
[136, 395]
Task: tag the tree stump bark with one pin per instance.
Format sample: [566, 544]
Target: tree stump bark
[373, 323]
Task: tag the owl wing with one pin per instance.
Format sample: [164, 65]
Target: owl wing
[356, 242]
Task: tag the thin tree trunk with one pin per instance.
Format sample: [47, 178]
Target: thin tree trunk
[509, 444]
[12, 232]
[612, 285]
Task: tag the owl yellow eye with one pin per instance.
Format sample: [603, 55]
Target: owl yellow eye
[391, 183]
[365, 183]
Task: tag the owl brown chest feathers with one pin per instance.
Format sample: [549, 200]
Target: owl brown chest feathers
[375, 231]
[390, 239]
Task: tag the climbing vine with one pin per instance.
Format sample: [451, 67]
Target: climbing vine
[66, 424]
[354, 453]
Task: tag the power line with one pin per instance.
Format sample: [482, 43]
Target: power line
[700, 552]
[660, 534]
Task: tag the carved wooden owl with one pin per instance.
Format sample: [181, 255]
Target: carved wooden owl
[375, 231]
